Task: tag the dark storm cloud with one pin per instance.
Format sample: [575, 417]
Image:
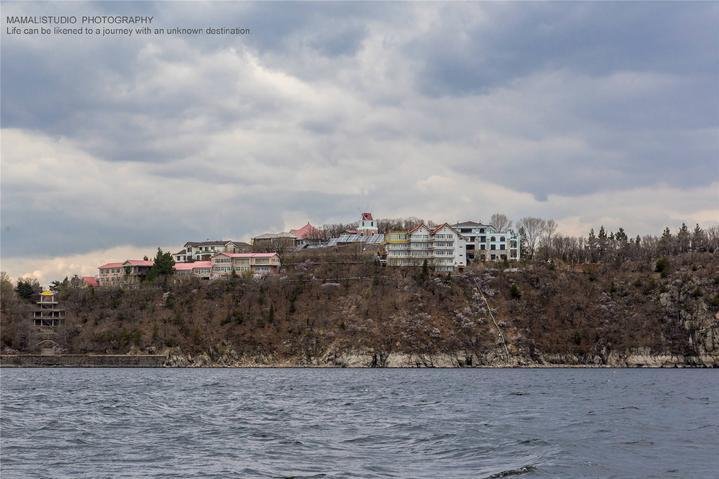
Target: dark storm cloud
[465, 57]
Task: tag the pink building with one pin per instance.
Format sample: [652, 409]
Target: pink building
[198, 269]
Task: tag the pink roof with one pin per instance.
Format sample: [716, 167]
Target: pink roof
[249, 255]
[307, 231]
[367, 216]
[110, 265]
[90, 281]
[191, 266]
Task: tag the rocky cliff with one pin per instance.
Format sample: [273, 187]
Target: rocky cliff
[329, 313]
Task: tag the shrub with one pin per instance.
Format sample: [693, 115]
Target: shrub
[662, 267]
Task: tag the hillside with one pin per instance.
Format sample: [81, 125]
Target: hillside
[331, 310]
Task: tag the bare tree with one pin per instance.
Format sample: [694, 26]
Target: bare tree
[500, 222]
[533, 229]
[548, 228]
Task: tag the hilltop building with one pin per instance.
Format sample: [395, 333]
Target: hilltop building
[203, 250]
[442, 247]
[367, 225]
[485, 243]
[129, 273]
[198, 269]
[257, 264]
[274, 242]
[308, 235]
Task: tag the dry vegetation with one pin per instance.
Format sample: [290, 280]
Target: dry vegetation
[328, 304]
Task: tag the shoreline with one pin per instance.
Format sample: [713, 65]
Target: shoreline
[355, 361]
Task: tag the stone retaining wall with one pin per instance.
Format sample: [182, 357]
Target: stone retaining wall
[82, 361]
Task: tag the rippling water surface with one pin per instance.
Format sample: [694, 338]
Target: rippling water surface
[478, 423]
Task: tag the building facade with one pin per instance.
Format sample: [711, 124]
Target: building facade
[485, 243]
[256, 264]
[203, 250]
[442, 247]
[128, 273]
[197, 269]
[274, 242]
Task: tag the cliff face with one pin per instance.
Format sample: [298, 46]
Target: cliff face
[326, 312]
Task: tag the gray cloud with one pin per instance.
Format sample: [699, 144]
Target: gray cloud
[329, 108]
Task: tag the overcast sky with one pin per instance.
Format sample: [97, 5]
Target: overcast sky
[587, 113]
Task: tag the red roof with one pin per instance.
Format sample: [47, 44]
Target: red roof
[412, 230]
[129, 262]
[367, 216]
[191, 266]
[90, 281]
[110, 265]
[439, 227]
[307, 231]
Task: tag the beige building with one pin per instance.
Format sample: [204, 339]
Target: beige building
[256, 264]
[442, 247]
[128, 273]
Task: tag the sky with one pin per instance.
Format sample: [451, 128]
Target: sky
[588, 113]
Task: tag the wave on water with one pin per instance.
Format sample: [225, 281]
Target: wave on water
[513, 472]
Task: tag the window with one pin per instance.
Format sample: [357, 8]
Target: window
[482, 246]
[481, 230]
[502, 247]
[494, 246]
[482, 239]
[494, 238]
[501, 238]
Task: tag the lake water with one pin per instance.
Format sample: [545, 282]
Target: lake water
[473, 423]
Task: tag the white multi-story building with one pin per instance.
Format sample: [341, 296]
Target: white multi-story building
[442, 247]
[485, 243]
[258, 264]
[203, 250]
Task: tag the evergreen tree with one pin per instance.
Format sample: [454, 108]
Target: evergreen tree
[592, 246]
[683, 239]
[162, 265]
[666, 245]
[621, 237]
[699, 239]
[603, 242]
[27, 288]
